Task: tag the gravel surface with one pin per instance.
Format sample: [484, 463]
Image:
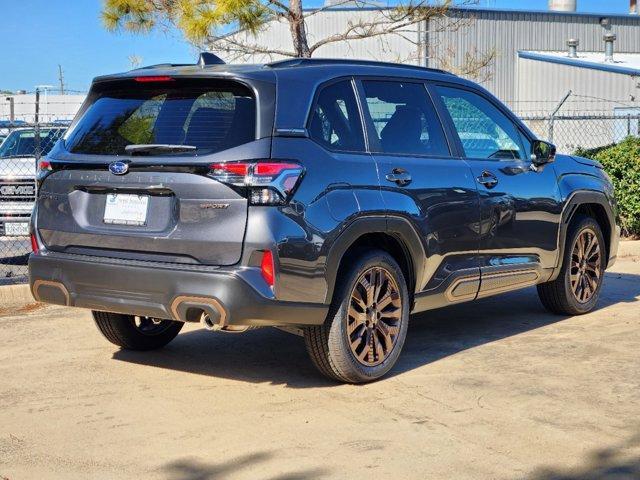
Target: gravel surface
[497, 389]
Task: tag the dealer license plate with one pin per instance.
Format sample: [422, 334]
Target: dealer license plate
[125, 209]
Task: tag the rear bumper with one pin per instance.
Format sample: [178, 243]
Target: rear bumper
[230, 296]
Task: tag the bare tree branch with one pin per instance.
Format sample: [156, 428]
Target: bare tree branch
[237, 48]
[244, 21]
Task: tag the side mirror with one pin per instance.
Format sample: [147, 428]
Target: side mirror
[542, 153]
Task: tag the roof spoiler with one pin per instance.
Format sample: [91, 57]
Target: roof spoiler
[205, 59]
[208, 58]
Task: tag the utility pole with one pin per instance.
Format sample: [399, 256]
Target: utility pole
[37, 116]
[12, 110]
[37, 127]
[61, 79]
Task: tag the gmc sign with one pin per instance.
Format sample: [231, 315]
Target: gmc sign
[17, 190]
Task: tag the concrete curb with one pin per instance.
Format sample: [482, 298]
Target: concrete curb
[629, 248]
[15, 296]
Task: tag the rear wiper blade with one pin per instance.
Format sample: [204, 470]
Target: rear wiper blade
[159, 148]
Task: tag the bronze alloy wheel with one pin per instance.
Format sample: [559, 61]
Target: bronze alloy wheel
[150, 325]
[586, 265]
[375, 312]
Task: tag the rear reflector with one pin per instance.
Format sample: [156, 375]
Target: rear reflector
[157, 78]
[267, 268]
[34, 243]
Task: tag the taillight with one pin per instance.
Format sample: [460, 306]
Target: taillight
[269, 183]
[45, 165]
[43, 171]
[34, 243]
[267, 268]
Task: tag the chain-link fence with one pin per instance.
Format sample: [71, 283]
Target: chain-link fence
[580, 121]
[572, 132]
[30, 125]
[23, 144]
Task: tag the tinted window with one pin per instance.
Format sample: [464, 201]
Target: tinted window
[209, 116]
[485, 132]
[404, 119]
[23, 142]
[335, 120]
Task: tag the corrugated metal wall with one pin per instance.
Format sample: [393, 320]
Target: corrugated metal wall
[482, 31]
[543, 80]
[507, 32]
[390, 48]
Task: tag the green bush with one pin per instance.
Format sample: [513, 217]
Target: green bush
[622, 163]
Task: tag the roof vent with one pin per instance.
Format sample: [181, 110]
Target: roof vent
[609, 39]
[573, 43]
[208, 58]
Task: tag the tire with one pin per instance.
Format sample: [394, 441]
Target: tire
[559, 296]
[136, 333]
[379, 334]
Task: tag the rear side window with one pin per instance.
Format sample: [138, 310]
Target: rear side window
[211, 116]
[335, 120]
[404, 119]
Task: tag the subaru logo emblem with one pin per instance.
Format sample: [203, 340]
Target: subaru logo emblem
[118, 168]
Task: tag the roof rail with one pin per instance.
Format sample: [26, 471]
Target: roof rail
[296, 62]
[208, 58]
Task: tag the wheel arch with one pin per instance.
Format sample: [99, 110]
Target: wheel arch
[394, 235]
[597, 206]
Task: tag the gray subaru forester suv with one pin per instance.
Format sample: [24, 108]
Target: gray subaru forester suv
[330, 198]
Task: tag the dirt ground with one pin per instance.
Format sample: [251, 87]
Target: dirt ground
[497, 389]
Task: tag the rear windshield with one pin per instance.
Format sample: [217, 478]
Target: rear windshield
[211, 116]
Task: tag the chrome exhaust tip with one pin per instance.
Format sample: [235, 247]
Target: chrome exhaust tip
[208, 323]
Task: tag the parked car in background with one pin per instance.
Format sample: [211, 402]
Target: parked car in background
[331, 198]
[18, 154]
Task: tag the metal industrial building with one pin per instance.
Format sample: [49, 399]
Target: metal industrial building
[482, 30]
[600, 103]
[588, 75]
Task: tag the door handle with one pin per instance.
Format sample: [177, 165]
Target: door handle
[399, 176]
[488, 179]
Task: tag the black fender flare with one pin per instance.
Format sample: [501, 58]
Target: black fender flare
[395, 226]
[575, 200]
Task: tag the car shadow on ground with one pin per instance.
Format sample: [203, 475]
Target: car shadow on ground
[618, 462]
[270, 355]
[193, 469]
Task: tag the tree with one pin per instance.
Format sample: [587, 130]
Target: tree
[233, 26]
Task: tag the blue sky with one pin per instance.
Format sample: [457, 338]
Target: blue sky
[40, 34]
